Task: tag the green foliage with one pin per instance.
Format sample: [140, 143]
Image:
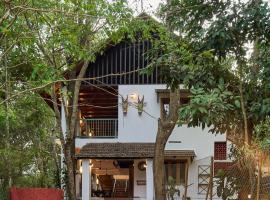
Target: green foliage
[262, 135]
[218, 64]
[172, 190]
[51, 37]
[26, 149]
[227, 184]
[210, 106]
[42, 42]
[240, 177]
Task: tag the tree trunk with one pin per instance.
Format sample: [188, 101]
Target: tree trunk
[159, 171]
[70, 180]
[69, 146]
[166, 125]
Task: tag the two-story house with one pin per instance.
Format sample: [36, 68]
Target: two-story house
[119, 111]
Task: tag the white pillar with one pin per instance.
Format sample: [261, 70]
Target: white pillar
[149, 180]
[86, 179]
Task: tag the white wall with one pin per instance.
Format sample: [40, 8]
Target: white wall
[139, 190]
[136, 128]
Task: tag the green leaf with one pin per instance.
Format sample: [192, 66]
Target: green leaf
[202, 110]
[237, 103]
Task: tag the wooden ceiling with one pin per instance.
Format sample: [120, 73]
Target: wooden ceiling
[98, 102]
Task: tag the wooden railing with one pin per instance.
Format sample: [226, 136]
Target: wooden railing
[100, 128]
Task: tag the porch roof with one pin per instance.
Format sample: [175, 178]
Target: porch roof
[126, 150]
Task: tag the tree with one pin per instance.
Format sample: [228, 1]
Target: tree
[54, 39]
[173, 55]
[26, 122]
[228, 87]
[28, 160]
[230, 27]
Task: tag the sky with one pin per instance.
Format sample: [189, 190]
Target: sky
[149, 6]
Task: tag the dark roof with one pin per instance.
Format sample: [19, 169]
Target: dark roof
[126, 150]
[117, 150]
[180, 153]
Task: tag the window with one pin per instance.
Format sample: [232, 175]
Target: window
[166, 109]
[220, 151]
[165, 105]
[175, 169]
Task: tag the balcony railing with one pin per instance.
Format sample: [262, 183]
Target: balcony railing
[100, 128]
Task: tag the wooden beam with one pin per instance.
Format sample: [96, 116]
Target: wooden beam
[103, 105]
[90, 102]
[100, 116]
[100, 112]
[95, 98]
[91, 88]
[89, 94]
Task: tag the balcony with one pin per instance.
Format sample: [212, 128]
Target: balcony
[99, 128]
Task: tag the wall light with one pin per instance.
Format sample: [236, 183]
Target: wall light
[90, 133]
[142, 165]
[133, 96]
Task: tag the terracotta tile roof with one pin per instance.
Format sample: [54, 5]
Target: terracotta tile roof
[126, 150]
[117, 150]
[180, 153]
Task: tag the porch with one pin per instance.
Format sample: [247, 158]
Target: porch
[124, 171]
[114, 179]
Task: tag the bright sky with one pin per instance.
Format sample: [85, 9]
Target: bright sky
[149, 6]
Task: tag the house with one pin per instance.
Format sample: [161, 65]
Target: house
[116, 133]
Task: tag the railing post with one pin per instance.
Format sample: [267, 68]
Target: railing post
[115, 129]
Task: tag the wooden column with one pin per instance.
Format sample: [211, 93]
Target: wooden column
[186, 177]
[131, 180]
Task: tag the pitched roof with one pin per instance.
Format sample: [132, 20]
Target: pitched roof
[126, 150]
